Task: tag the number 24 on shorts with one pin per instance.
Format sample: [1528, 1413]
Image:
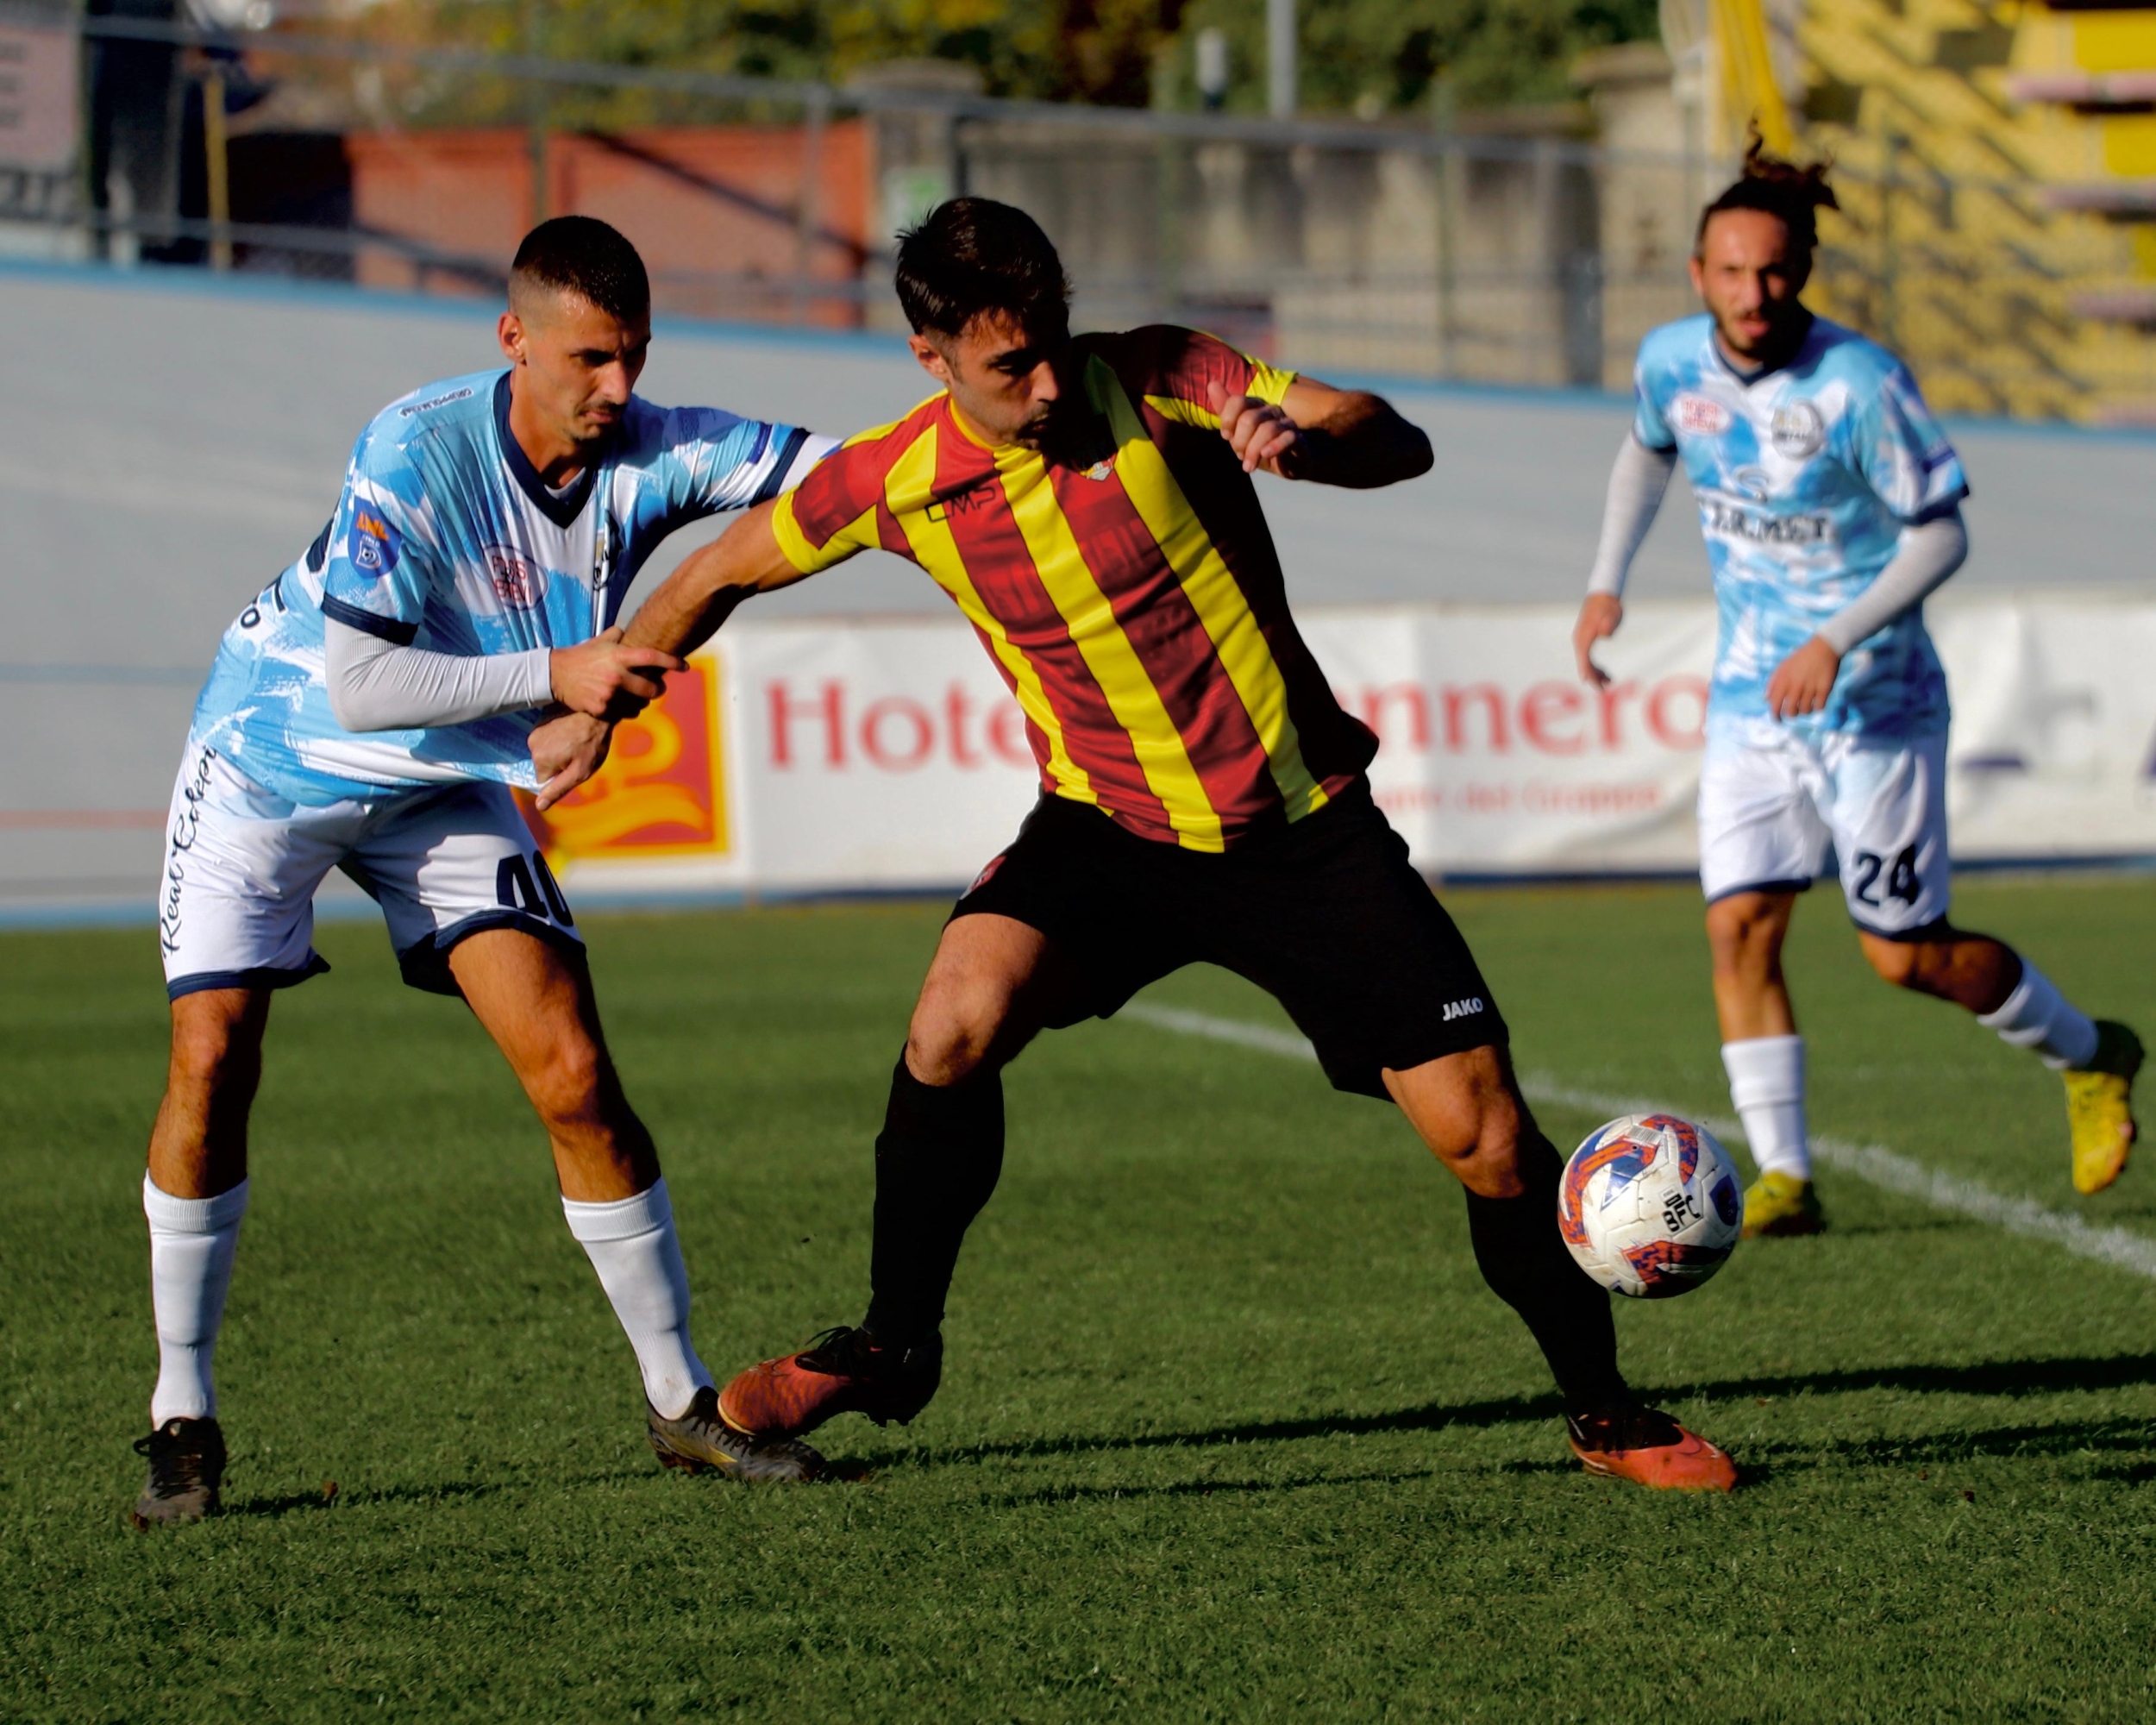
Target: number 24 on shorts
[1900, 883]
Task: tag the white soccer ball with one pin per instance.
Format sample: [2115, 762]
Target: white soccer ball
[1651, 1206]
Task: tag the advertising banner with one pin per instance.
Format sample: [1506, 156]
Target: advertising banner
[863, 754]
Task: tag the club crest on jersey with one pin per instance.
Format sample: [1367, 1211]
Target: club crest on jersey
[374, 544]
[1798, 431]
[1101, 470]
[518, 582]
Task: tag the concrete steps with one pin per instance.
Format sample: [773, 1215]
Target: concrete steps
[1998, 173]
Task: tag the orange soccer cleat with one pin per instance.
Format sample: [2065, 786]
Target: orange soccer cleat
[1650, 1449]
[843, 1371]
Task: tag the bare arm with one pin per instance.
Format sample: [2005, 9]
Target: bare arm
[1331, 436]
[681, 615]
[688, 606]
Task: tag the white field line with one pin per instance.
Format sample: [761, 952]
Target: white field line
[1883, 1167]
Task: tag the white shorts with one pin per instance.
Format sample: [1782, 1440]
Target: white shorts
[1770, 802]
[235, 909]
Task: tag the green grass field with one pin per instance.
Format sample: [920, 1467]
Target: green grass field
[1229, 1430]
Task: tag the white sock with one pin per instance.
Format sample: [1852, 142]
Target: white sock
[2037, 1016]
[1766, 1082]
[633, 1247]
[191, 1244]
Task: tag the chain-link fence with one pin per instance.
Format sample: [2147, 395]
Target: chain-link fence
[1499, 249]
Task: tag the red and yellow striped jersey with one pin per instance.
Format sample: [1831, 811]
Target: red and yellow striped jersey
[1135, 607]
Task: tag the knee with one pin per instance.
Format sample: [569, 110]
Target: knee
[1469, 1118]
[954, 1034]
[1489, 1166]
[1739, 936]
[1900, 962]
[946, 1048]
[214, 1059]
[574, 1088]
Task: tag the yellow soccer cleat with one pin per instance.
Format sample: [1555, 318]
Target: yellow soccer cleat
[2100, 1108]
[1782, 1204]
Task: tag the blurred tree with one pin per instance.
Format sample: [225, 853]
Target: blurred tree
[1363, 56]
[1371, 57]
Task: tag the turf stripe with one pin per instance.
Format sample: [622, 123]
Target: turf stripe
[1882, 1168]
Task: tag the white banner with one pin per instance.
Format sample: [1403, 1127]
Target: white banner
[851, 753]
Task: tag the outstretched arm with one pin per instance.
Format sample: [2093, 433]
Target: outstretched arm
[688, 606]
[376, 685]
[684, 613]
[1636, 485]
[1333, 436]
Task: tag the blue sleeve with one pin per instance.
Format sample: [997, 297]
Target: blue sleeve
[708, 461]
[1647, 423]
[381, 558]
[1902, 452]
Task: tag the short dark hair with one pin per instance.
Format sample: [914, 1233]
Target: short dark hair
[1777, 188]
[582, 255]
[973, 254]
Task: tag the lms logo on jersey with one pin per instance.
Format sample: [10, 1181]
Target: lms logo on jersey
[374, 544]
[1701, 416]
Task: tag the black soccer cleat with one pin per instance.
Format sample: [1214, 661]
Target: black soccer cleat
[186, 1471]
[700, 1442]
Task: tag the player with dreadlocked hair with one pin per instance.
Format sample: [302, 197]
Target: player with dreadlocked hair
[1830, 500]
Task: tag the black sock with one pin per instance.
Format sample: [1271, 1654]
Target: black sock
[938, 1159]
[1523, 1258]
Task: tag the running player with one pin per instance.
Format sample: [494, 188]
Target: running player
[369, 711]
[1830, 500]
[1089, 505]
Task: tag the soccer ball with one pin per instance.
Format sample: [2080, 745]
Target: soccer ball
[1650, 1206]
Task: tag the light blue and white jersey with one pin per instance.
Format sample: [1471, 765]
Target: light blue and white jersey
[1805, 476]
[446, 537]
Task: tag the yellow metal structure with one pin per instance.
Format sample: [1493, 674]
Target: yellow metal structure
[1997, 172]
[1751, 91]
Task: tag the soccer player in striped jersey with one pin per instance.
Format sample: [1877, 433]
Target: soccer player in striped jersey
[1830, 499]
[1088, 503]
[369, 711]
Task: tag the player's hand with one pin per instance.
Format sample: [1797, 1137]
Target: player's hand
[1261, 434]
[1802, 681]
[607, 678]
[1599, 619]
[567, 749]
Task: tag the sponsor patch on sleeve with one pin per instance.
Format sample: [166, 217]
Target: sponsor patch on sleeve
[373, 544]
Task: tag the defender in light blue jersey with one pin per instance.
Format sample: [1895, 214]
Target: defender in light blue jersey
[1830, 500]
[369, 712]
[447, 538]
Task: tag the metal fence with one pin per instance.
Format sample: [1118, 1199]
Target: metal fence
[1473, 251]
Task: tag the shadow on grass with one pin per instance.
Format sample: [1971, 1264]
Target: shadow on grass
[1761, 1462]
[2071, 1437]
[1209, 1488]
[1990, 1378]
[294, 1502]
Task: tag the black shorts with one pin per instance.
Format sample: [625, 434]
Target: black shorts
[1326, 916]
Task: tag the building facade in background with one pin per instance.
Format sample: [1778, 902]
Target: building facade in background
[1996, 165]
